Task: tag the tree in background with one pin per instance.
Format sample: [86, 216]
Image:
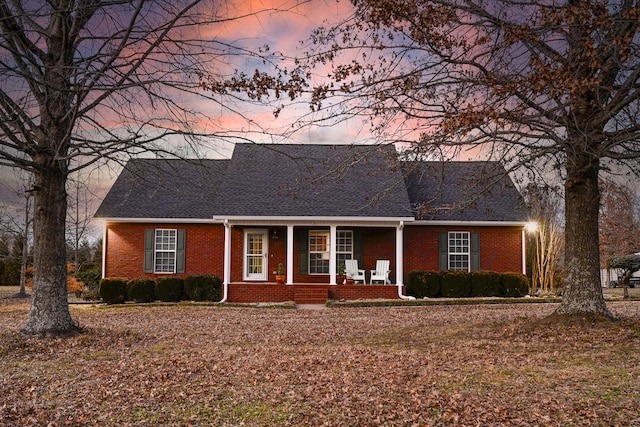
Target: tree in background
[549, 87]
[545, 209]
[626, 266]
[79, 216]
[619, 221]
[85, 82]
[17, 221]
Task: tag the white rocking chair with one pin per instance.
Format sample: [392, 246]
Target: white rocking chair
[353, 272]
[381, 273]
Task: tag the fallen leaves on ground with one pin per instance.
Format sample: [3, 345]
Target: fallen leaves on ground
[394, 366]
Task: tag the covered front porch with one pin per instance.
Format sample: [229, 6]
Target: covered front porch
[307, 293]
[311, 252]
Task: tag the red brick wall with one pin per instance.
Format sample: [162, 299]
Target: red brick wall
[356, 292]
[500, 247]
[378, 243]
[260, 292]
[277, 252]
[204, 249]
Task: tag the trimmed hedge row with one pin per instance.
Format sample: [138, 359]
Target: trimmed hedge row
[115, 290]
[203, 288]
[459, 284]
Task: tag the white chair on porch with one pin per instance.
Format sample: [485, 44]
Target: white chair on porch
[353, 272]
[381, 273]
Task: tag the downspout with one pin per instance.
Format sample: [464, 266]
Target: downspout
[227, 259]
[524, 252]
[104, 251]
[400, 261]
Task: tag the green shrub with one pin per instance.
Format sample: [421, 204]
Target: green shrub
[169, 289]
[455, 284]
[91, 283]
[202, 288]
[514, 285]
[90, 294]
[142, 289]
[11, 274]
[485, 284]
[113, 290]
[90, 278]
[423, 284]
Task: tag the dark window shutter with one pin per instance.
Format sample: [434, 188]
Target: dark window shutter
[303, 247]
[149, 234]
[180, 249]
[443, 250]
[358, 246]
[475, 251]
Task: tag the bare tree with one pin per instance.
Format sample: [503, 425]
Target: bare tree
[17, 221]
[626, 265]
[81, 203]
[619, 221]
[86, 81]
[552, 86]
[545, 208]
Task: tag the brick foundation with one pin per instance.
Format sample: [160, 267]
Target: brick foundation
[307, 293]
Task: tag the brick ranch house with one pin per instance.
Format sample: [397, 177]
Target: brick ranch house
[309, 207]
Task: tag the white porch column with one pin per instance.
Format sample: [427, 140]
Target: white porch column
[400, 253]
[333, 237]
[289, 254]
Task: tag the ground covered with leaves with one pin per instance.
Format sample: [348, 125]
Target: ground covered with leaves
[393, 366]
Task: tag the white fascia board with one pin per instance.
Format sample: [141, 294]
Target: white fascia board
[162, 220]
[472, 223]
[313, 220]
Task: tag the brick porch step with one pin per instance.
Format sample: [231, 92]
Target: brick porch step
[311, 294]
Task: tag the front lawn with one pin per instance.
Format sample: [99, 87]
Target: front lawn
[229, 366]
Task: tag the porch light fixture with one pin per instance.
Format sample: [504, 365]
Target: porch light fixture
[274, 236]
[531, 226]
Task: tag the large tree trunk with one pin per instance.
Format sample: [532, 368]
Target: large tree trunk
[49, 313]
[582, 289]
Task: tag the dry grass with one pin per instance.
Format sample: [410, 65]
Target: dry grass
[437, 365]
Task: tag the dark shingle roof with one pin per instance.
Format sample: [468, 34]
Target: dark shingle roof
[305, 180]
[463, 191]
[314, 180]
[157, 188]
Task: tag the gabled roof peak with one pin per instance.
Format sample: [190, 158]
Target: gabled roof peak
[313, 180]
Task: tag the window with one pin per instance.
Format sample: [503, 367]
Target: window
[344, 246]
[459, 250]
[165, 251]
[318, 252]
[319, 246]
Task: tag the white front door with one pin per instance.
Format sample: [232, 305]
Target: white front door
[255, 254]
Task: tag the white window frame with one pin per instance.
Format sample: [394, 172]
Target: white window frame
[344, 251]
[262, 275]
[170, 246]
[344, 248]
[456, 253]
[324, 254]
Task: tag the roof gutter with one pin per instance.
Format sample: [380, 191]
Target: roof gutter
[302, 220]
[162, 220]
[472, 223]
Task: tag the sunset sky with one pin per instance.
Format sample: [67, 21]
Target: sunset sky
[283, 31]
